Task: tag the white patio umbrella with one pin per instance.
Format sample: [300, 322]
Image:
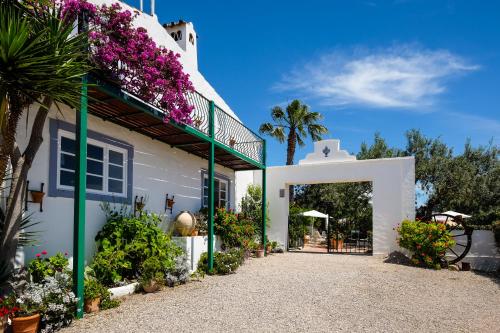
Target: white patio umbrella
[315, 213]
[441, 218]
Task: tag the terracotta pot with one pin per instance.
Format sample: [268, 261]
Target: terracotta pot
[139, 205]
[259, 253]
[37, 196]
[194, 233]
[151, 287]
[3, 323]
[337, 245]
[26, 324]
[306, 239]
[92, 305]
[184, 223]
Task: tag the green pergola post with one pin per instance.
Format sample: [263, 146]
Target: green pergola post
[211, 185]
[264, 198]
[79, 200]
[80, 184]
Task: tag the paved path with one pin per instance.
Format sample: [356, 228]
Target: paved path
[299, 292]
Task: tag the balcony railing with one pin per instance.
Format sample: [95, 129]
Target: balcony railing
[228, 130]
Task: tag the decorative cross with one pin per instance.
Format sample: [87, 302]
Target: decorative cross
[326, 151]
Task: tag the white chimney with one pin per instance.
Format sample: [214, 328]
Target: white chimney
[185, 36]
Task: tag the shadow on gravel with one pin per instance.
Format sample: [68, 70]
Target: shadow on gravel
[493, 276]
[398, 258]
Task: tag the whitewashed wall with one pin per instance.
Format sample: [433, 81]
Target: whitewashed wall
[393, 192]
[157, 169]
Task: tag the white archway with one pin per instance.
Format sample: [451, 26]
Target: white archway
[393, 182]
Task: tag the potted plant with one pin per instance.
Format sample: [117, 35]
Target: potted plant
[201, 222]
[152, 275]
[259, 253]
[29, 304]
[337, 241]
[269, 247]
[92, 295]
[232, 142]
[306, 239]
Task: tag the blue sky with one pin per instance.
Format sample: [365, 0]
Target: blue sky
[367, 66]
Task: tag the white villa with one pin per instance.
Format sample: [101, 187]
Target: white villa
[134, 155]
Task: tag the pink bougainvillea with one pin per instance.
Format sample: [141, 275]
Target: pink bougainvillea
[128, 55]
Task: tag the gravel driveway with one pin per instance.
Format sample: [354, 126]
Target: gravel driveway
[299, 292]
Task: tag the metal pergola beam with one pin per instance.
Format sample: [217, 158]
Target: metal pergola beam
[79, 201]
[211, 186]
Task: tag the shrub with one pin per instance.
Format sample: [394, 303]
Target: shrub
[152, 269]
[94, 289]
[234, 229]
[251, 207]
[126, 242]
[179, 274]
[43, 266]
[427, 241]
[224, 262]
[496, 230]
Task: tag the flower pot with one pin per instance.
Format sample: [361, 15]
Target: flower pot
[194, 233]
[151, 286]
[92, 305]
[306, 239]
[37, 196]
[269, 249]
[184, 223]
[337, 244]
[140, 206]
[259, 253]
[26, 324]
[3, 323]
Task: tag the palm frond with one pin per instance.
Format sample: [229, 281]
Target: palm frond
[277, 131]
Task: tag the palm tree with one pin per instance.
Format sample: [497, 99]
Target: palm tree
[41, 61]
[293, 125]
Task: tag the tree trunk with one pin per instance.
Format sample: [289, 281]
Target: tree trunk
[290, 152]
[9, 133]
[21, 165]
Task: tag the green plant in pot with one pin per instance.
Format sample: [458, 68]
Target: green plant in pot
[337, 241]
[93, 293]
[259, 252]
[152, 275]
[28, 302]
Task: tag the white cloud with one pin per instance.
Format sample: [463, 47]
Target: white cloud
[398, 77]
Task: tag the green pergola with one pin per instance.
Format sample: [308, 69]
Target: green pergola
[214, 135]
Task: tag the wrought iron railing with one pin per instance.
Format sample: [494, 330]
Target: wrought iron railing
[228, 130]
[237, 136]
[201, 112]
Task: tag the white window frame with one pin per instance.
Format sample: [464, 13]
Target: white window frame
[106, 148]
[221, 180]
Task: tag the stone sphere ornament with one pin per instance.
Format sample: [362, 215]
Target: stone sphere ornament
[184, 224]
